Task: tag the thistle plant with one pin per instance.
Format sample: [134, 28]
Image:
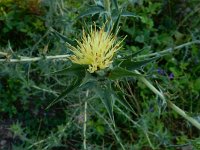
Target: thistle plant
[97, 50]
[91, 64]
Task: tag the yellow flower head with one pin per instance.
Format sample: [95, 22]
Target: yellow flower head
[96, 49]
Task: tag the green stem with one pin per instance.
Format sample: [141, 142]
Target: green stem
[170, 104]
[149, 141]
[85, 123]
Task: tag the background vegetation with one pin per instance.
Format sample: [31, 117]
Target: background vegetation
[36, 114]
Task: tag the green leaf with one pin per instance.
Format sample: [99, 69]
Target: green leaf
[196, 85]
[116, 4]
[129, 57]
[62, 37]
[74, 69]
[100, 129]
[140, 38]
[119, 72]
[136, 53]
[116, 24]
[129, 14]
[74, 85]
[93, 10]
[78, 71]
[106, 95]
[133, 65]
[88, 81]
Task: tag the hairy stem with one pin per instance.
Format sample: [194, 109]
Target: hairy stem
[29, 59]
[65, 57]
[168, 50]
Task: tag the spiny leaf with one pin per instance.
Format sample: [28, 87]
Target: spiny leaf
[119, 72]
[116, 24]
[106, 95]
[129, 14]
[136, 53]
[116, 4]
[79, 72]
[133, 65]
[92, 11]
[62, 37]
[88, 81]
[74, 85]
[127, 57]
[74, 69]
